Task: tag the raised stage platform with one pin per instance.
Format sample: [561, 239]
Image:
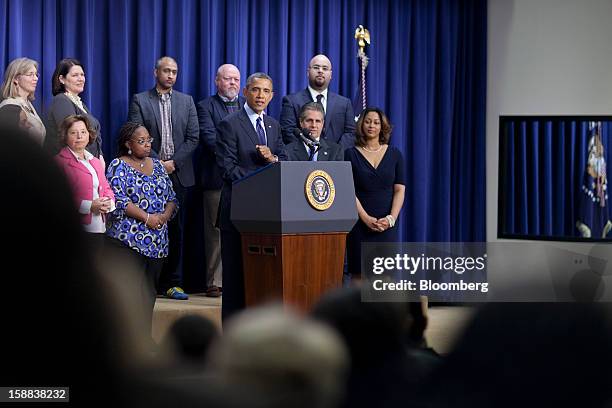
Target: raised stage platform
[168, 310]
[445, 322]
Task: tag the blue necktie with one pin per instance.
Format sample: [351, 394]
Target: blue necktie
[260, 133]
[313, 150]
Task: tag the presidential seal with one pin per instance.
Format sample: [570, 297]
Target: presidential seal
[320, 190]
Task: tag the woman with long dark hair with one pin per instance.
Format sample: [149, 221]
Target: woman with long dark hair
[378, 173]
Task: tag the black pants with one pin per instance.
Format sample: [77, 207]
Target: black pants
[233, 275]
[140, 272]
[172, 272]
[95, 245]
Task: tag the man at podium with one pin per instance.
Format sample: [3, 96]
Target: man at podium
[247, 140]
[309, 145]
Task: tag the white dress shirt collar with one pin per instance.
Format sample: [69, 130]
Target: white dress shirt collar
[88, 156]
[314, 93]
[253, 116]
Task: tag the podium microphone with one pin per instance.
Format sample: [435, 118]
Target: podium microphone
[304, 136]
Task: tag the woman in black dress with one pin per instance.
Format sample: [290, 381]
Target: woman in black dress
[378, 173]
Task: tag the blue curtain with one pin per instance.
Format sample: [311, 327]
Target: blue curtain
[542, 168]
[427, 72]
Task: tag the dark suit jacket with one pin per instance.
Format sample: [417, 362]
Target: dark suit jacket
[238, 157]
[211, 111]
[328, 151]
[339, 118]
[62, 107]
[185, 131]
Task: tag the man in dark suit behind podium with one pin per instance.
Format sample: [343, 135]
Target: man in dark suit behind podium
[311, 147]
[339, 117]
[247, 140]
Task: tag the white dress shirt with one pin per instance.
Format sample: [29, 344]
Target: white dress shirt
[314, 94]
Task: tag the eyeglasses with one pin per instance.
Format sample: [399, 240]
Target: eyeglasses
[323, 68]
[31, 74]
[144, 141]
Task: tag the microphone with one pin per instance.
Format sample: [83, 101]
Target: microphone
[305, 136]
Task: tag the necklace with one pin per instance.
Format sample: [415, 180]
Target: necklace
[141, 164]
[372, 151]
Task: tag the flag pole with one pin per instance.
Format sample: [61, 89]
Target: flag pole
[362, 35]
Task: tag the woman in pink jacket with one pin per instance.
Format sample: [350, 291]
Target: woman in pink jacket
[86, 175]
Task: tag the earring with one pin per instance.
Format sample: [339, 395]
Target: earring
[129, 151]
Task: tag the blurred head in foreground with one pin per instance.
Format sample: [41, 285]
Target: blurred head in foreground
[285, 360]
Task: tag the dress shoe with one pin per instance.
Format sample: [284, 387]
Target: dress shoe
[213, 291]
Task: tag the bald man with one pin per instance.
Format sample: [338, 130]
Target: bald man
[211, 111]
[339, 117]
[171, 119]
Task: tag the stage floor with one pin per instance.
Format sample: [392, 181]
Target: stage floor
[445, 322]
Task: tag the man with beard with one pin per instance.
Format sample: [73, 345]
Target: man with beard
[211, 111]
[171, 119]
[339, 117]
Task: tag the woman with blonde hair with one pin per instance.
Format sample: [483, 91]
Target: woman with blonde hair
[20, 80]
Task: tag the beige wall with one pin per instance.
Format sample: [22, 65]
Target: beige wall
[544, 57]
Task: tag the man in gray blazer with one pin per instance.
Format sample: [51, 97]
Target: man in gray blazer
[171, 119]
[339, 117]
[311, 147]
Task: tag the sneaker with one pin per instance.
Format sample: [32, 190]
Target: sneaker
[176, 293]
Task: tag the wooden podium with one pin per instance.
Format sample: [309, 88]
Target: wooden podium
[292, 245]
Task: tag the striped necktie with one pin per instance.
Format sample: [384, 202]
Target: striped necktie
[320, 101]
[260, 133]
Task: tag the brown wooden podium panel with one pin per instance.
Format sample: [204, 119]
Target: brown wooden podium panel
[295, 269]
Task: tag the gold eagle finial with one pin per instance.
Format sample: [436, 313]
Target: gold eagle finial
[362, 35]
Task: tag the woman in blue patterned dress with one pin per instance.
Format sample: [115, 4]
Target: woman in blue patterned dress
[145, 202]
